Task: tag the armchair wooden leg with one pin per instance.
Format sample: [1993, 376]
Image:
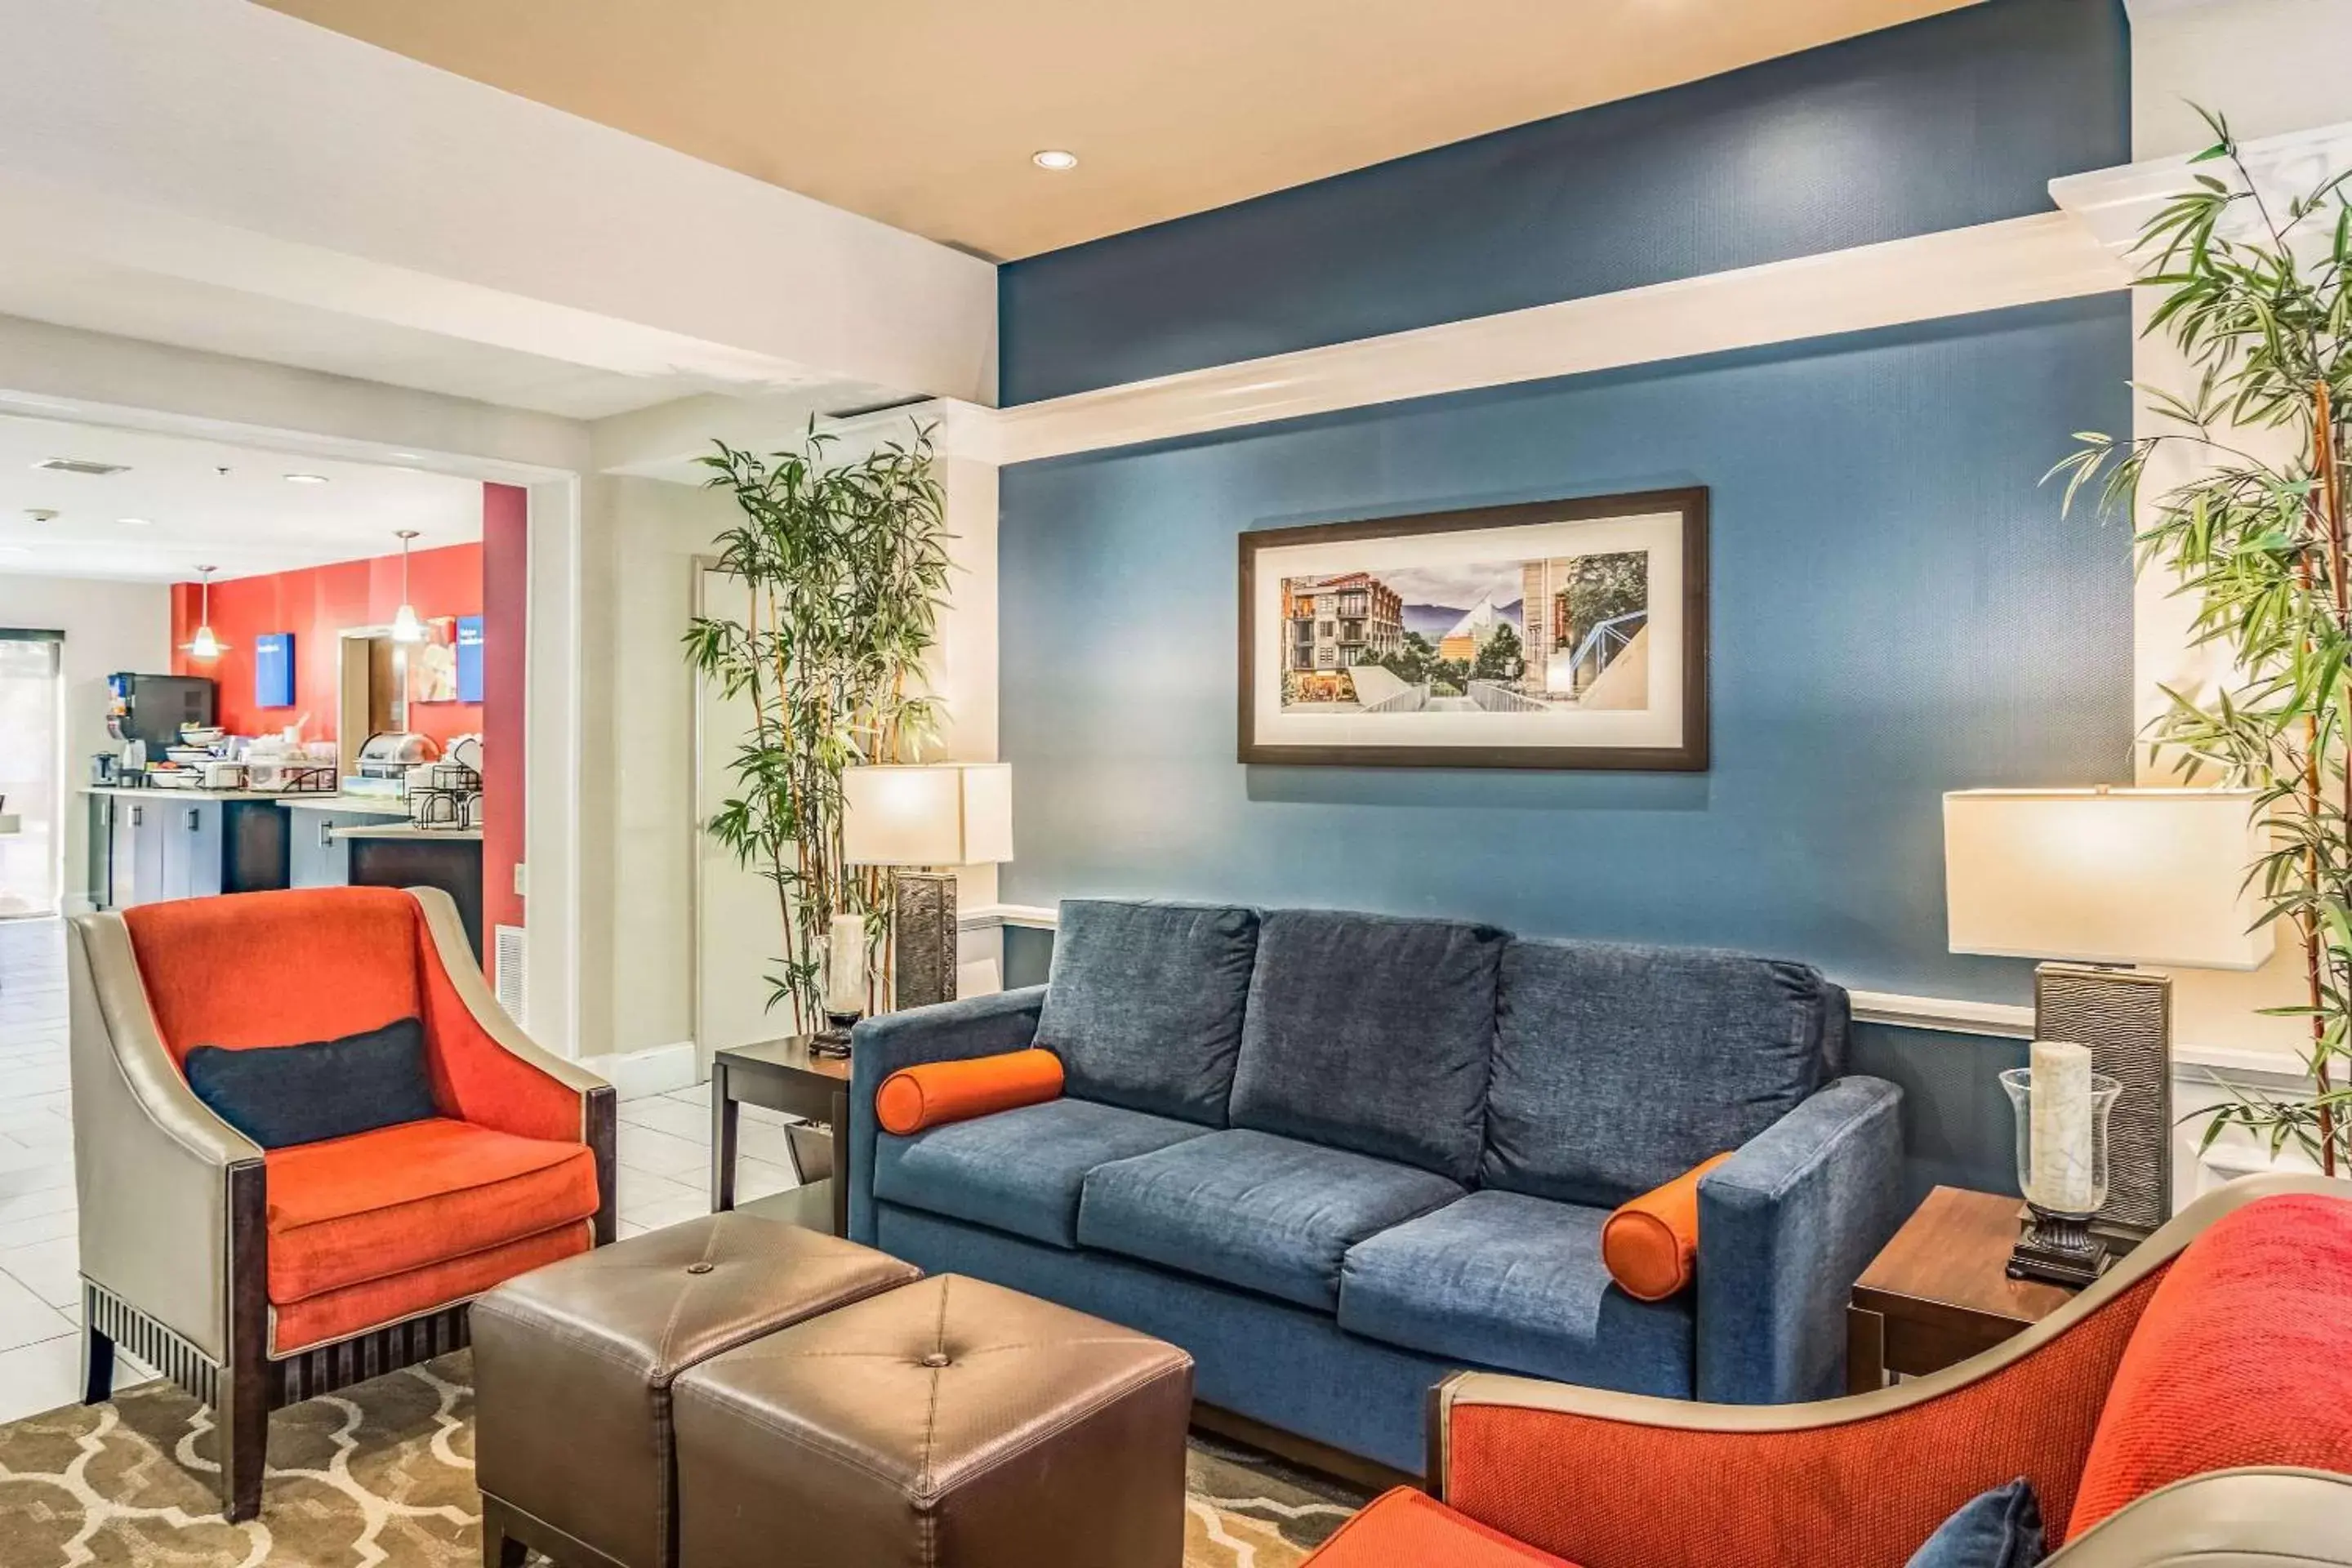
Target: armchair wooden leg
[97, 1362]
[244, 1417]
[500, 1549]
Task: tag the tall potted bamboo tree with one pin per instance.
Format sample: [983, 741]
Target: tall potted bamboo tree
[847, 565]
[2256, 297]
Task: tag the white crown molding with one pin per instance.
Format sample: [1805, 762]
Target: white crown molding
[1989, 267]
[2114, 203]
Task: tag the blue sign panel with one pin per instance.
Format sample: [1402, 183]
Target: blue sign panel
[273, 669]
[469, 658]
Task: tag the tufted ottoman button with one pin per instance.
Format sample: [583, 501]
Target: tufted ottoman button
[698, 1268]
[937, 1358]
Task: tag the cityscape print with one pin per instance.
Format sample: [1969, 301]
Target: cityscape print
[1565, 634]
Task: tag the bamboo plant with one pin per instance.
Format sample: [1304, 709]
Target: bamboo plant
[847, 565]
[2254, 294]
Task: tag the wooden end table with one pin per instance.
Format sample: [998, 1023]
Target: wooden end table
[783, 1076]
[1941, 1292]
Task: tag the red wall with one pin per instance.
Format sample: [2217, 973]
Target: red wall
[506, 598]
[316, 603]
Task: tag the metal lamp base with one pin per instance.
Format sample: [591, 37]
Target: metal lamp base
[923, 939]
[2058, 1247]
[2125, 1015]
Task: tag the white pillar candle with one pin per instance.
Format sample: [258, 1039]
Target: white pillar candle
[2062, 1127]
[844, 965]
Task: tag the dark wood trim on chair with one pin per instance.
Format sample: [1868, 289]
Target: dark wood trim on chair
[508, 1532]
[1305, 1452]
[600, 1129]
[242, 1410]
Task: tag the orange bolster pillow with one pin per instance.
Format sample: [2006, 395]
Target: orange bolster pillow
[1651, 1245]
[932, 1093]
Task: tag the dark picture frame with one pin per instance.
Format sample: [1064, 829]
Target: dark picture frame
[1688, 752]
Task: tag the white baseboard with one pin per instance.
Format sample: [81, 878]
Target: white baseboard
[656, 1069]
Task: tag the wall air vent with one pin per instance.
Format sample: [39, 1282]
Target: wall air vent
[506, 960]
[81, 466]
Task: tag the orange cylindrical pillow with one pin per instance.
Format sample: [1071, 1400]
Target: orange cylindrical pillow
[1651, 1245]
[930, 1093]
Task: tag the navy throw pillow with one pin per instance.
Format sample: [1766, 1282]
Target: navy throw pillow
[2000, 1529]
[278, 1095]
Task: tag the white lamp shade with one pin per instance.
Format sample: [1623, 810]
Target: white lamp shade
[2125, 875]
[945, 813]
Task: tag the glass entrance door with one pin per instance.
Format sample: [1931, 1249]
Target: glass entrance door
[32, 801]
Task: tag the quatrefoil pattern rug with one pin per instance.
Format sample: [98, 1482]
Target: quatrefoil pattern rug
[382, 1475]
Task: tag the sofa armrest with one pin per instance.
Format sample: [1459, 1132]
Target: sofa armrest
[951, 1031]
[2252, 1519]
[1608, 1480]
[152, 1163]
[1785, 1227]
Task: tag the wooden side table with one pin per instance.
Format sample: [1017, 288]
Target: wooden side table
[785, 1076]
[1940, 1292]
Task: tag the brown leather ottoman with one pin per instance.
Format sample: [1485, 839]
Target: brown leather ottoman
[949, 1423]
[573, 1363]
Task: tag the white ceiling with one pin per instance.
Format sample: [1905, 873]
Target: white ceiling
[44, 283]
[250, 519]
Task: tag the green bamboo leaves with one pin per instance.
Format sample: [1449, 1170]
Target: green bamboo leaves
[847, 567]
[2253, 294]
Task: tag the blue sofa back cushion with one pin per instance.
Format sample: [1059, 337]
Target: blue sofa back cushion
[1373, 1033]
[1617, 1068]
[1144, 1003]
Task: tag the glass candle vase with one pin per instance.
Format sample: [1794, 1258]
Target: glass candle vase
[2062, 1136]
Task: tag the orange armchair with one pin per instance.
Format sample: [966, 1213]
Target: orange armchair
[257, 1278]
[2197, 1399]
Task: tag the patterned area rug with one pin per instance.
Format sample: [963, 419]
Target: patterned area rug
[383, 1474]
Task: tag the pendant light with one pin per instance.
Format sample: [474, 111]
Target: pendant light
[203, 644]
[405, 627]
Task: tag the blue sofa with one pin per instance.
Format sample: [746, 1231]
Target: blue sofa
[1338, 1156]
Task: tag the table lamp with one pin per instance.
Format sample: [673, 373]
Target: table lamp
[924, 819]
[2102, 879]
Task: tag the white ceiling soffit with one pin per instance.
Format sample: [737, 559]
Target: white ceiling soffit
[326, 183]
[184, 513]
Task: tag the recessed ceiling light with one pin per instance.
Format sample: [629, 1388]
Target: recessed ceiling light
[305, 478]
[13, 549]
[1056, 158]
[134, 521]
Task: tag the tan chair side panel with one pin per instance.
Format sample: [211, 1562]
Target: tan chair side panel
[2229, 1519]
[457, 954]
[1647, 1410]
[150, 1162]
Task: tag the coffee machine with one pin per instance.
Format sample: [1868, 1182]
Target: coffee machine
[151, 708]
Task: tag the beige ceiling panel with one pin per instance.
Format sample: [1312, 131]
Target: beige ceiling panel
[924, 113]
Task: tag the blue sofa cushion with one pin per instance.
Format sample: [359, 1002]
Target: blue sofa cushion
[1144, 1004]
[1504, 1280]
[1250, 1209]
[1371, 1034]
[1617, 1068]
[1017, 1171]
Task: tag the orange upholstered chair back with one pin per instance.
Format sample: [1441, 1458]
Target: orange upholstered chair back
[276, 969]
[2242, 1358]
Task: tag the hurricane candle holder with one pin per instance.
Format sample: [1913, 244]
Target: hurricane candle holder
[845, 983]
[2062, 1162]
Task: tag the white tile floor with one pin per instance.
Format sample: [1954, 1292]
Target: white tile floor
[665, 1159]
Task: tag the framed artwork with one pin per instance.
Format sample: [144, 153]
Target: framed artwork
[433, 663]
[1568, 634]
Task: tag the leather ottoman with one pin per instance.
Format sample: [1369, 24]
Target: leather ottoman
[949, 1423]
[574, 1365]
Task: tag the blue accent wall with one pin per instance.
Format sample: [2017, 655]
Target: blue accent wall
[1898, 609]
[1955, 119]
